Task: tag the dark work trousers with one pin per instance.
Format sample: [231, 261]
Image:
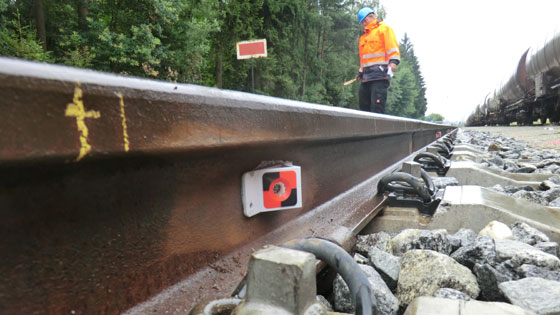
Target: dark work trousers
[373, 96]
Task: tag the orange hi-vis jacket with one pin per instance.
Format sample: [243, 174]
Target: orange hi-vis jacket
[378, 46]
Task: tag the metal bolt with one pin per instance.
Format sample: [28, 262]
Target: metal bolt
[412, 168]
[281, 281]
[433, 150]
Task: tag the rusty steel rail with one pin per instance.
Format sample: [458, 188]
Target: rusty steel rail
[124, 195]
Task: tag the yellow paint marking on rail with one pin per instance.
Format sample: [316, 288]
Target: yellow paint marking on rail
[125, 132]
[76, 109]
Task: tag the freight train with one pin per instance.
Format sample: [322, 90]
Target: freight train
[530, 94]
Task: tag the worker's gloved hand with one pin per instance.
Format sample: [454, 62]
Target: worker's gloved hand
[359, 76]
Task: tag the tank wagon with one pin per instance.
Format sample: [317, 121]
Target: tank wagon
[531, 93]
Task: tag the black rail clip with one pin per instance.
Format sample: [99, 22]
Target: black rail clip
[409, 191]
[433, 162]
[428, 209]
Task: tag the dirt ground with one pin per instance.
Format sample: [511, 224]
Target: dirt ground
[544, 137]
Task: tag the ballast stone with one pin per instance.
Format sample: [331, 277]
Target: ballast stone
[423, 272]
[510, 166]
[520, 253]
[448, 293]
[436, 306]
[463, 237]
[548, 195]
[489, 278]
[387, 265]
[526, 168]
[387, 303]
[555, 179]
[510, 189]
[551, 169]
[481, 251]
[555, 203]
[548, 247]
[532, 196]
[548, 162]
[409, 239]
[325, 303]
[551, 194]
[494, 147]
[499, 188]
[527, 234]
[381, 240]
[537, 295]
[549, 154]
[442, 182]
[510, 156]
[528, 271]
[496, 230]
[551, 182]
[497, 161]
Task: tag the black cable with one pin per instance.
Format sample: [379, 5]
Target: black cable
[337, 258]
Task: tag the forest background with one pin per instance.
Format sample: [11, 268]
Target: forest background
[312, 45]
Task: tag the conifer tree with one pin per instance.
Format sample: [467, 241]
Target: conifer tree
[407, 53]
[312, 44]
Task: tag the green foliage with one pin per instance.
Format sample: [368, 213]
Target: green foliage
[128, 52]
[4, 5]
[434, 117]
[76, 53]
[402, 92]
[407, 93]
[17, 40]
[312, 44]
[186, 41]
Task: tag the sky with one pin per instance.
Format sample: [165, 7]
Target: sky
[466, 49]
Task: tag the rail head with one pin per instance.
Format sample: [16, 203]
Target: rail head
[62, 114]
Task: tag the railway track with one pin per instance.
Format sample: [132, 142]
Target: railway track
[124, 195]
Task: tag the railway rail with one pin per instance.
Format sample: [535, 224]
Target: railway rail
[124, 195]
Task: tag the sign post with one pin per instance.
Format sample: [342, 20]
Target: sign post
[249, 50]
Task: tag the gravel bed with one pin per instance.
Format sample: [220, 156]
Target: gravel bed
[515, 264]
[541, 137]
[516, 156]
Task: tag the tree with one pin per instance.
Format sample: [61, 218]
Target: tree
[407, 93]
[312, 44]
[407, 53]
[434, 117]
[83, 14]
[402, 92]
[240, 20]
[16, 38]
[39, 15]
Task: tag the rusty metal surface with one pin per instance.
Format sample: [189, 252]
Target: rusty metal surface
[119, 192]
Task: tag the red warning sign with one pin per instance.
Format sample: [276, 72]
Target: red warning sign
[251, 49]
[279, 189]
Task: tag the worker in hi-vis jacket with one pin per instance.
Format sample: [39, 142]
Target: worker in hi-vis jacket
[379, 51]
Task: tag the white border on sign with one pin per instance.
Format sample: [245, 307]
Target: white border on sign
[250, 42]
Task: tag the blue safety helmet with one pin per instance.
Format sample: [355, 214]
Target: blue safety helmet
[363, 13]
